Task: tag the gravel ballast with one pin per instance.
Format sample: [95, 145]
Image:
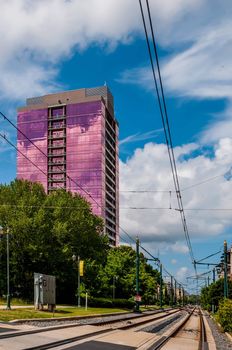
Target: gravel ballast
[221, 339]
[163, 325]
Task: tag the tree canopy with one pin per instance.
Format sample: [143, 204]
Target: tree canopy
[45, 231]
[214, 293]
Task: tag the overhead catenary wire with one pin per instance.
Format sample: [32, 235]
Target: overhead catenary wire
[42, 152]
[68, 177]
[165, 122]
[16, 148]
[209, 256]
[41, 170]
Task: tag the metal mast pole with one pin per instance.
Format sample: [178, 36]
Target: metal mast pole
[161, 287]
[78, 282]
[213, 306]
[8, 307]
[137, 274]
[175, 292]
[171, 291]
[225, 271]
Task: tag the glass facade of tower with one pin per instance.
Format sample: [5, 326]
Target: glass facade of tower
[77, 139]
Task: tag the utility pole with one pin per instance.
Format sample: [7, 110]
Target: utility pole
[78, 282]
[225, 271]
[161, 287]
[214, 275]
[8, 307]
[113, 287]
[175, 292]
[171, 291]
[137, 276]
[213, 306]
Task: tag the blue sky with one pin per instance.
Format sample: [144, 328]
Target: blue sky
[85, 44]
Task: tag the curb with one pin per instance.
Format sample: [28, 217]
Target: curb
[228, 336]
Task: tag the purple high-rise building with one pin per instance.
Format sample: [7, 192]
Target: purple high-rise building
[78, 137]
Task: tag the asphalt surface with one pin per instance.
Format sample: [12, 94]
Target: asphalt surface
[98, 345]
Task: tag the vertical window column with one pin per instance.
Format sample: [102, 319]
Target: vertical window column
[56, 148]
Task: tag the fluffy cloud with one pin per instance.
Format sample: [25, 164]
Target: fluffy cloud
[220, 128]
[200, 66]
[37, 35]
[200, 71]
[182, 273]
[149, 170]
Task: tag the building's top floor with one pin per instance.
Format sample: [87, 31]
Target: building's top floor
[71, 97]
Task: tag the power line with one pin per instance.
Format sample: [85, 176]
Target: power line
[43, 207]
[41, 151]
[145, 191]
[165, 122]
[16, 148]
[5, 138]
[38, 148]
[203, 182]
[33, 206]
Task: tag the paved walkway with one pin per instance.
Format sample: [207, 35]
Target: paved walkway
[3, 307]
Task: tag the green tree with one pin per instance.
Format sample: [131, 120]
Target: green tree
[45, 231]
[120, 271]
[214, 293]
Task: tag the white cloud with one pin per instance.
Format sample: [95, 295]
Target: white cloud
[182, 273]
[140, 136]
[199, 66]
[149, 169]
[220, 128]
[178, 247]
[173, 261]
[201, 70]
[37, 35]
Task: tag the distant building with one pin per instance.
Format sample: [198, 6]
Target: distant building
[220, 267]
[78, 133]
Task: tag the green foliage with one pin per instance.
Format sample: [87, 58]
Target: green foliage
[45, 231]
[119, 273]
[112, 303]
[214, 293]
[224, 315]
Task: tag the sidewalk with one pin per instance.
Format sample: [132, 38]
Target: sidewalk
[31, 306]
[3, 307]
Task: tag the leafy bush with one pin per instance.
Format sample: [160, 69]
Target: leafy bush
[123, 303]
[224, 315]
[110, 303]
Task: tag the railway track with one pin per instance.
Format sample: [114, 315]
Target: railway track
[44, 338]
[190, 333]
[181, 329]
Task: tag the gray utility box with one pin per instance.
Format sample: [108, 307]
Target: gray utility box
[44, 291]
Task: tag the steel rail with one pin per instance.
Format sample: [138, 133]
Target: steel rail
[19, 333]
[202, 345]
[86, 336]
[164, 339]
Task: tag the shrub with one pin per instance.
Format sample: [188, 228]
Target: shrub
[224, 315]
[110, 303]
